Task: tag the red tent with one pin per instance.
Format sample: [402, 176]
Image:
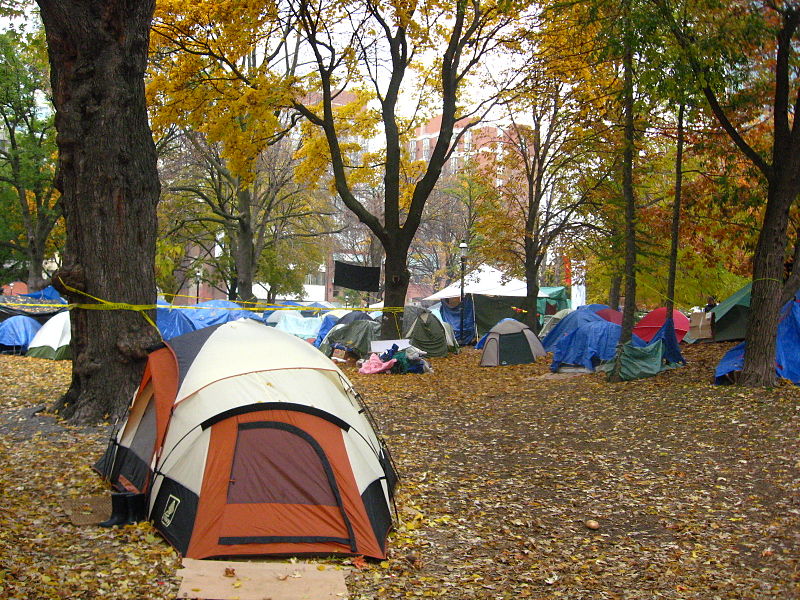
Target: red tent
[609, 314]
[649, 325]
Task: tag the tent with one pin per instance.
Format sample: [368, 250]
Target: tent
[649, 324]
[510, 343]
[638, 359]
[555, 301]
[47, 294]
[16, 334]
[487, 281]
[609, 314]
[430, 335]
[569, 323]
[52, 340]
[172, 322]
[328, 321]
[247, 441]
[216, 312]
[731, 315]
[355, 337]
[787, 349]
[553, 320]
[293, 322]
[354, 315]
[591, 343]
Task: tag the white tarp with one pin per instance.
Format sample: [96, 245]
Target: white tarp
[488, 281]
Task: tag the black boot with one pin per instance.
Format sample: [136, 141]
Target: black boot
[119, 510]
[137, 508]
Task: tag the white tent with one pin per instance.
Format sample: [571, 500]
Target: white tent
[52, 340]
[488, 281]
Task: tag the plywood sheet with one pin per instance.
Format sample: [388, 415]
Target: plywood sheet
[234, 580]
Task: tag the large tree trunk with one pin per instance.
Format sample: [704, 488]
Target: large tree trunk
[765, 301]
[396, 277]
[109, 185]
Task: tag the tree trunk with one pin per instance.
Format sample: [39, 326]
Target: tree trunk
[628, 195]
[614, 291]
[676, 214]
[245, 254]
[532, 281]
[627, 191]
[109, 185]
[765, 301]
[396, 277]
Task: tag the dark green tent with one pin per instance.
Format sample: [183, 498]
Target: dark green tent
[731, 315]
[427, 333]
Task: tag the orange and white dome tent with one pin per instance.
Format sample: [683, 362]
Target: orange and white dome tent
[249, 441]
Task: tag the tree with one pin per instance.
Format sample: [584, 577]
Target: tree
[208, 206]
[380, 46]
[743, 59]
[109, 188]
[27, 158]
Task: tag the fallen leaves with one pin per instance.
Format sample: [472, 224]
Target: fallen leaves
[696, 489]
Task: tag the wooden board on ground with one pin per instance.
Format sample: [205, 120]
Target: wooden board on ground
[228, 580]
[90, 510]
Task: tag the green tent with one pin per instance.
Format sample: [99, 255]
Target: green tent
[557, 300]
[356, 337]
[731, 315]
[429, 334]
[52, 340]
[639, 362]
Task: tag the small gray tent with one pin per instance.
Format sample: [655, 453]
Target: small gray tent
[510, 343]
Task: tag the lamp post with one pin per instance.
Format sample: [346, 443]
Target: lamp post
[462, 253]
[197, 276]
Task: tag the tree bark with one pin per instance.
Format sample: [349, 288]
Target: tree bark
[765, 301]
[676, 213]
[109, 185]
[627, 189]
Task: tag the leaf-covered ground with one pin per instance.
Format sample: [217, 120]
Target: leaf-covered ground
[695, 489]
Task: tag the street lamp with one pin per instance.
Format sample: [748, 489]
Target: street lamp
[462, 254]
[198, 274]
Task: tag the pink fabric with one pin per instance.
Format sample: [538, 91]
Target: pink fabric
[375, 365]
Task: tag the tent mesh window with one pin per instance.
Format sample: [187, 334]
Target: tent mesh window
[515, 349]
[271, 465]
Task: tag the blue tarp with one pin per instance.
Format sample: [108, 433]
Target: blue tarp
[672, 351]
[216, 312]
[453, 317]
[787, 348]
[291, 321]
[570, 323]
[328, 321]
[593, 342]
[18, 331]
[172, 322]
[48, 293]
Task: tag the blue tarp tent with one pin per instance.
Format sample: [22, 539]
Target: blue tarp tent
[215, 312]
[16, 333]
[453, 317]
[571, 322]
[291, 321]
[587, 345]
[49, 293]
[172, 322]
[787, 349]
[328, 321]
